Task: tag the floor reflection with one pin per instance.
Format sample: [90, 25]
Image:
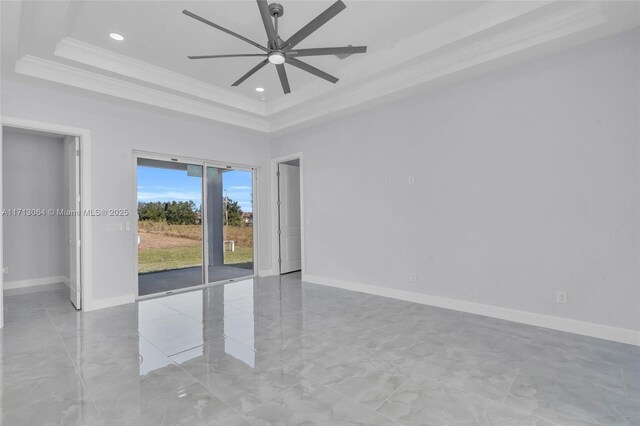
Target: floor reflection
[279, 351]
[115, 365]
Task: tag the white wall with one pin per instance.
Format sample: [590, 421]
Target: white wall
[33, 174]
[117, 128]
[526, 182]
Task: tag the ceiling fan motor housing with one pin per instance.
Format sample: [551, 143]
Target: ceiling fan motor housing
[276, 51]
[276, 10]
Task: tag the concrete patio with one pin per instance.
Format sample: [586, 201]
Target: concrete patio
[174, 279]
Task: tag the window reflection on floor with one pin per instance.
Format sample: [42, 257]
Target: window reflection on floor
[201, 323]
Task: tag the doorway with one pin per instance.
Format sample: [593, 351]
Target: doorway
[289, 217]
[195, 223]
[41, 204]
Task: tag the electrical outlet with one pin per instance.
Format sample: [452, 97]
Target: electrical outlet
[387, 182]
[413, 277]
[561, 297]
[5, 270]
[412, 180]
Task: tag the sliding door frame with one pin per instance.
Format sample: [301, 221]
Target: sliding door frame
[204, 163]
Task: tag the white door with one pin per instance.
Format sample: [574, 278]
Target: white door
[72, 150]
[289, 212]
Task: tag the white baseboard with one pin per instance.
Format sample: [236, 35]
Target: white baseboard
[266, 273]
[34, 289]
[10, 285]
[109, 302]
[584, 328]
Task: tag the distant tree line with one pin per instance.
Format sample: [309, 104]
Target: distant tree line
[186, 212]
[172, 212]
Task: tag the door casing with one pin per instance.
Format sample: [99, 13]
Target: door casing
[85, 178]
[287, 173]
[274, 212]
[74, 198]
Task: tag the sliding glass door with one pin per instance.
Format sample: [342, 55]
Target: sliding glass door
[230, 223]
[170, 228]
[193, 227]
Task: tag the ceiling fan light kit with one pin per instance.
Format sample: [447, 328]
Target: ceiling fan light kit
[279, 51]
[277, 58]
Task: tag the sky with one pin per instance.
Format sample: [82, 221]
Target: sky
[155, 184]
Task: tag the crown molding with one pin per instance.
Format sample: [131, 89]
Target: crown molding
[495, 33]
[454, 30]
[76, 77]
[103, 59]
[517, 39]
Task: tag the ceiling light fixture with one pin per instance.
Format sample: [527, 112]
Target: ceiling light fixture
[276, 58]
[259, 89]
[116, 36]
[278, 51]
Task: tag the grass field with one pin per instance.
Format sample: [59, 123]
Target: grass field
[161, 259]
[164, 246]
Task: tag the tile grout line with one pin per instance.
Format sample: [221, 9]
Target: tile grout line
[453, 336]
[196, 381]
[623, 376]
[174, 363]
[506, 395]
[509, 407]
[341, 394]
[303, 377]
[75, 365]
[274, 397]
[391, 394]
[237, 411]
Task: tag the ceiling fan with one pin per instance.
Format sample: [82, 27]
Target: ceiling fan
[278, 51]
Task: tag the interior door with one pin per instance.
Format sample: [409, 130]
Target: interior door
[72, 150]
[289, 214]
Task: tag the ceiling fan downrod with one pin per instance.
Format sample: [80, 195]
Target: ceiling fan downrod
[276, 10]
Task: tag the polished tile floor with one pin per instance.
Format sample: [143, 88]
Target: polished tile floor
[277, 351]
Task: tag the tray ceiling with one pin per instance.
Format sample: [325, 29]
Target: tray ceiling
[412, 44]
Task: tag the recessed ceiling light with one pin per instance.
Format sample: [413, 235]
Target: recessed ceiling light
[259, 89]
[116, 36]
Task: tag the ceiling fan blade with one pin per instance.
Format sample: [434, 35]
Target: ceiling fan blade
[251, 72]
[242, 55]
[283, 78]
[266, 20]
[315, 23]
[348, 50]
[311, 69]
[206, 21]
